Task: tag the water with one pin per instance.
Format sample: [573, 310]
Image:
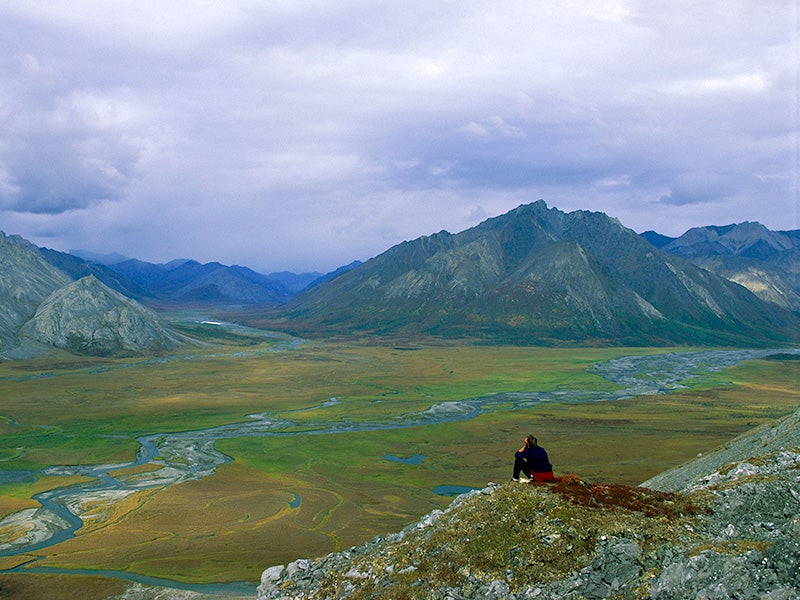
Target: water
[452, 490]
[239, 587]
[414, 459]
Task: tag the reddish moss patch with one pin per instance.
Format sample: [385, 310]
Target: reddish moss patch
[651, 503]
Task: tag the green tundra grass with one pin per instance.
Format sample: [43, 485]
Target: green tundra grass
[285, 497]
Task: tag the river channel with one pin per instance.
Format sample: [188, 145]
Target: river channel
[189, 455]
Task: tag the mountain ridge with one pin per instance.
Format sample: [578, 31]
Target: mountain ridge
[764, 261]
[538, 275]
[27, 279]
[534, 275]
[189, 281]
[183, 281]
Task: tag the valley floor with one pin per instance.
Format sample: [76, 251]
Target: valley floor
[343, 442]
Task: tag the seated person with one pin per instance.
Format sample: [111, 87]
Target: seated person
[532, 460]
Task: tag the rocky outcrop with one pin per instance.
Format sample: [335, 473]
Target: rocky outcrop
[764, 440]
[87, 317]
[139, 591]
[724, 526]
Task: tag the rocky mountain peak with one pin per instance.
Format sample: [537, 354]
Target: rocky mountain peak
[747, 239]
[765, 262]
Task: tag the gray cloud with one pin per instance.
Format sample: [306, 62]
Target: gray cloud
[694, 187]
[307, 134]
[64, 148]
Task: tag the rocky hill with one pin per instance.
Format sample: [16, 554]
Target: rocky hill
[42, 308]
[764, 261]
[723, 526]
[88, 317]
[26, 280]
[539, 275]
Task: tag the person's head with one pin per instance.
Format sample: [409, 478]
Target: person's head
[531, 441]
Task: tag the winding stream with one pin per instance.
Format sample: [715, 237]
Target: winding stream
[190, 455]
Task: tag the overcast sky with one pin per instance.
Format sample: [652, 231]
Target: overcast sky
[301, 135]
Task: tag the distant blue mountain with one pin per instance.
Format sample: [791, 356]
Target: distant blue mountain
[334, 274]
[188, 281]
[96, 257]
[77, 267]
[294, 282]
[185, 281]
[658, 240]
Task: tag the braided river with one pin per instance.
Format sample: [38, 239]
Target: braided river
[189, 455]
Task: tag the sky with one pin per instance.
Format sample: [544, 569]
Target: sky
[302, 135]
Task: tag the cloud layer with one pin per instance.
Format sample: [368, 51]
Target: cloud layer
[303, 135]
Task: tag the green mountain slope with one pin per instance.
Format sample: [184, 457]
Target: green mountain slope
[539, 275]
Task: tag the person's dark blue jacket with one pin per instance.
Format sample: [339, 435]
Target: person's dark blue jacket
[536, 457]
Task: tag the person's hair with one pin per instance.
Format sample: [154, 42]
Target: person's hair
[532, 441]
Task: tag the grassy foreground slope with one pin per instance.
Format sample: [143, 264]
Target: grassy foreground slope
[285, 497]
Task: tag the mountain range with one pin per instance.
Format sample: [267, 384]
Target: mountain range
[51, 299]
[535, 275]
[185, 281]
[538, 275]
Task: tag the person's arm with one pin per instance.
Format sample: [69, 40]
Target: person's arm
[522, 452]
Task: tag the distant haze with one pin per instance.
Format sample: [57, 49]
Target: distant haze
[304, 135]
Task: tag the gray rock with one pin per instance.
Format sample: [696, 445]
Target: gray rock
[764, 440]
[272, 574]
